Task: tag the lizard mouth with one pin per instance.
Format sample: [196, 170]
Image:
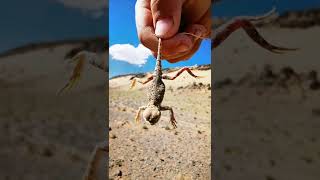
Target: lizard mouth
[152, 123]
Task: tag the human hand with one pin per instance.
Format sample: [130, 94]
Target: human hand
[173, 21]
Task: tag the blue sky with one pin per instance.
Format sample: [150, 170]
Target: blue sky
[229, 8]
[24, 22]
[122, 30]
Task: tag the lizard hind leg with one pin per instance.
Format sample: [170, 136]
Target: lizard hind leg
[138, 114]
[167, 77]
[100, 151]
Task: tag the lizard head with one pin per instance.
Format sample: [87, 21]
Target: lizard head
[152, 114]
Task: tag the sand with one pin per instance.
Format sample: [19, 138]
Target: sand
[142, 151]
[45, 136]
[263, 130]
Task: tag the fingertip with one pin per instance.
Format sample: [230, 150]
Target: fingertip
[148, 39]
[199, 31]
[185, 44]
[163, 27]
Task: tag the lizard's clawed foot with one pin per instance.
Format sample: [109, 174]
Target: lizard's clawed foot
[138, 117]
[172, 119]
[76, 74]
[199, 77]
[173, 122]
[134, 80]
[97, 155]
[133, 83]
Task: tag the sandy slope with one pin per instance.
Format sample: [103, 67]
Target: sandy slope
[142, 151]
[44, 136]
[263, 130]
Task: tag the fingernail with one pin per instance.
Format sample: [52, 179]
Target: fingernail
[183, 48]
[163, 26]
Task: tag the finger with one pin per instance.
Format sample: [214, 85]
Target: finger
[185, 56]
[194, 10]
[166, 16]
[198, 31]
[201, 29]
[144, 25]
[180, 43]
[206, 22]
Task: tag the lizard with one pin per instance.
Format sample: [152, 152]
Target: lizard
[156, 92]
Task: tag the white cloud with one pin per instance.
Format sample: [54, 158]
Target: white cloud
[95, 7]
[130, 54]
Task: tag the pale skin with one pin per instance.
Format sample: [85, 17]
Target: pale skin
[171, 21]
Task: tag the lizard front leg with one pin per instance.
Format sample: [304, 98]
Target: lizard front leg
[96, 156]
[134, 80]
[81, 60]
[172, 119]
[179, 73]
[76, 74]
[223, 32]
[137, 118]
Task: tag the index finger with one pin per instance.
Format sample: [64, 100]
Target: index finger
[144, 25]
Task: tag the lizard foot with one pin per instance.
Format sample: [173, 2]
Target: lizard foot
[173, 122]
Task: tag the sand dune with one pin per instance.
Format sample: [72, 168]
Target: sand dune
[45, 136]
[142, 151]
[291, 19]
[265, 126]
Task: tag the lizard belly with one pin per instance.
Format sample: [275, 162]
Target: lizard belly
[156, 92]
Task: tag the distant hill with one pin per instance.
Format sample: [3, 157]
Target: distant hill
[166, 70]
[94, 44]
[290, 19]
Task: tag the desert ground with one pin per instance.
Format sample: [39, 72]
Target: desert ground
[267, 107]
[142, 151]
[45, 136]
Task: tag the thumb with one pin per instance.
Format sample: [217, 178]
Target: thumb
[166, 17]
